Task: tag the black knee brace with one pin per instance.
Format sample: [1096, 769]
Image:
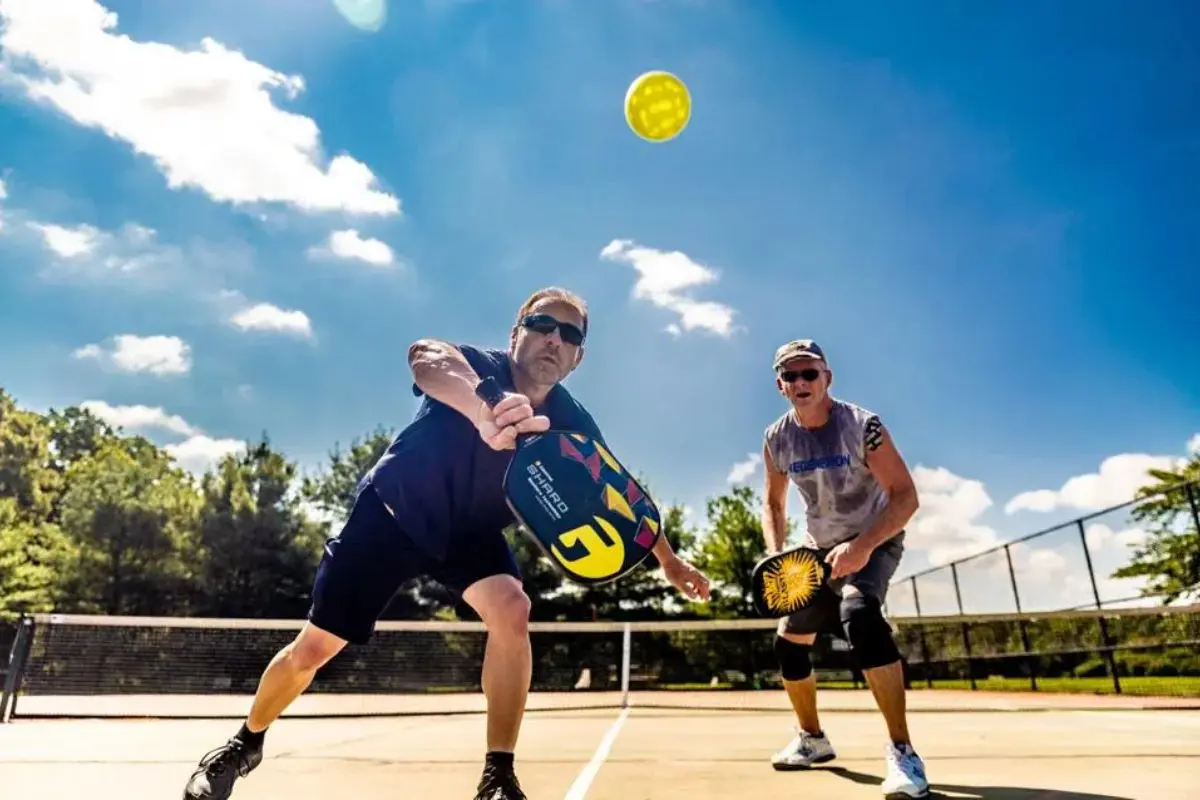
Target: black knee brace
[794, 661]
[869, 633]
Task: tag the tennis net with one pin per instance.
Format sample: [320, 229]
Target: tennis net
[81, 665]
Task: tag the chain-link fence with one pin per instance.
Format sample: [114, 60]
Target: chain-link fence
[1049, 607]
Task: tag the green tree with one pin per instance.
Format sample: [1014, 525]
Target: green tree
[34, 557]
[131, 514]
[333, 489]
[1169, 558]
[729, 549]
[259, 548]
[25, 457]
[76, 433]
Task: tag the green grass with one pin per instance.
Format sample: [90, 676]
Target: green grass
[1175, 686]
[1140, 686]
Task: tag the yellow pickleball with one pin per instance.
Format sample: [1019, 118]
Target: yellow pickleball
[658, 106]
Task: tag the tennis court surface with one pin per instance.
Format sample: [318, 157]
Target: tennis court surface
[1106, 747]
[123, 708]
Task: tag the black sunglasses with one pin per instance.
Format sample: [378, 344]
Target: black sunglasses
[810, 374]
[544, 323]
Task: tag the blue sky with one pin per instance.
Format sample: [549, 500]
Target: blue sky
[986, 216]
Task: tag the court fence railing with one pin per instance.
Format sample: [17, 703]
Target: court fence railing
[976, 655]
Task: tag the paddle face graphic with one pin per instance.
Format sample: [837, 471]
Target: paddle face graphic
[589, 516]
[788, 581]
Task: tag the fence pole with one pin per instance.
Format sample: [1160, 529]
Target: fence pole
[921, 633]
[16, 669]
[1109, 657]
[1194, 502]
[965, 631]
[626, 660]
[1030, 661]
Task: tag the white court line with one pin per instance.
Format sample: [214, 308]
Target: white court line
[583, 781]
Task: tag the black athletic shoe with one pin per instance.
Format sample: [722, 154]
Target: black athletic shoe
[215, 775]
[499, 783]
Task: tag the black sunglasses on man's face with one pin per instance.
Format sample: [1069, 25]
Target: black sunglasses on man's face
[809, 374]
[544, 323]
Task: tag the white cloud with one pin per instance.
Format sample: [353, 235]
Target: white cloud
[268, 317]
[200, 452]
[85, 251]
[206, 117]
[157, 355]
[665, 278]
[68, 242]
[139, 417]
[1116, 482]
[3, 190]
[1100, 536]
[946, 525]
[197, 453]
[742, 470]
[1193, 445]
[349, 244]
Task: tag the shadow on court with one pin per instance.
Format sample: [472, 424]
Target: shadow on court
[952, 792]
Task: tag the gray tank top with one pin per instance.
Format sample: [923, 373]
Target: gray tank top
[829, 467]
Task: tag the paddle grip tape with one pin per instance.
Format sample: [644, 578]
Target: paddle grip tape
[488, 390]
[869, 633]
[794, 661]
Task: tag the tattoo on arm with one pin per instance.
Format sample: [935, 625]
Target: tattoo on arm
[873, 434]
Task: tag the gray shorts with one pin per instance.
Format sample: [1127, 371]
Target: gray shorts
[824, 614]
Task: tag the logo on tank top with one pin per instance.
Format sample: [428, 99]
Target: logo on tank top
[839, 461]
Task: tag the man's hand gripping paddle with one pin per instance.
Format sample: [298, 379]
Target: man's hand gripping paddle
[788, 581]
[570, 495]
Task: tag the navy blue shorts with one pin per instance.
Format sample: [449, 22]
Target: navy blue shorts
[364, 565]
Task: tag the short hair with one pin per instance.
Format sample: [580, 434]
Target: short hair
[555, 293]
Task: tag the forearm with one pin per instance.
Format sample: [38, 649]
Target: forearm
[663, 551]
[895, 515]
[442, 373]
[774, 524]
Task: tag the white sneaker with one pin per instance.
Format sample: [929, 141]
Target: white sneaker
[804, 751]
[905, 773]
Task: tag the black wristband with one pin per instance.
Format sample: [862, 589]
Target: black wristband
[488, 390]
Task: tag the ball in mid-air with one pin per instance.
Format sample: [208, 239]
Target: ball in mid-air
[658, 106]
[366, 15]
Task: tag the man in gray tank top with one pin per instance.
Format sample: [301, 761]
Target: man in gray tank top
[858, 495]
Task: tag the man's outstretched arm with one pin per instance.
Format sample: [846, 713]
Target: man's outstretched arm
[442, 372]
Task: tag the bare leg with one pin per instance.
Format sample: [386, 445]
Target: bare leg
[290, 673]
[803, 694]
[887, 686]
[285, 678]
[503, 606]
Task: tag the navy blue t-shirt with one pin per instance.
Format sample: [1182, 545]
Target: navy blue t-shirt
[442, 481]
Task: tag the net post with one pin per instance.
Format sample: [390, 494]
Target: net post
[966, 634]
[626, 660]
[18, 657]
[1109, 658]
[1031, 662]
[921, 633]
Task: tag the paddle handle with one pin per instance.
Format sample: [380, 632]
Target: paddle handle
[488, 390]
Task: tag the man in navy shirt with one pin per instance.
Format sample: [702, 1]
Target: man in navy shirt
[434, 505]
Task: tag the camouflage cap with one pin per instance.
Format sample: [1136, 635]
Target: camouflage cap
[798, 348]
